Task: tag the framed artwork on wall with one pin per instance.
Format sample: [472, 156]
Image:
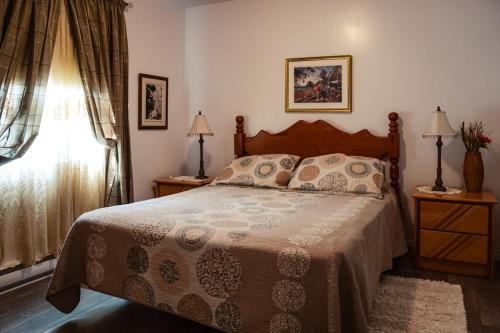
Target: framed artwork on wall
[318, 84]
[153, 102]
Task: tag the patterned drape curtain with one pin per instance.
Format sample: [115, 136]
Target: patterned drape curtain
[60, 176]
[99, 31]
[27, 36]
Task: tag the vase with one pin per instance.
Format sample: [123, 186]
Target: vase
[473, 171]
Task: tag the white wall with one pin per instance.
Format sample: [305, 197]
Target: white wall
[156, 46]
[408, 56]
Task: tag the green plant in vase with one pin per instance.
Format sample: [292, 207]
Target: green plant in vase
[474, 138]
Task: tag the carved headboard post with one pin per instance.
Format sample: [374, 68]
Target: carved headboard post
[239, 137]
[393, 151]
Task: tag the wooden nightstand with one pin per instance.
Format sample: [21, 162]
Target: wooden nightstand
[170, 186]
[455, 232]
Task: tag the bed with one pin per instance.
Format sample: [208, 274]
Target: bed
[245, 259]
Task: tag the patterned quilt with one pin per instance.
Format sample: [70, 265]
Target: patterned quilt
[237, 259]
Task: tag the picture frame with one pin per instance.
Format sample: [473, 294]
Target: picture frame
[153, 102]
[318, 84]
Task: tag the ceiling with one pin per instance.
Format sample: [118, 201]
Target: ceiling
[193, 3]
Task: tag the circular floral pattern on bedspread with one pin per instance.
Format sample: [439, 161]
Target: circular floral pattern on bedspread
[287, 163]
[96, 246]
[195, 307]
[289, 296]
[307, 161]
[361, 189]
[272, 218]
[219, 215]
[293, 262]
[309, 173]
[317, 230]
[170, 271]
[219, 206]
[247, 203]
[334, 181]
[225, 174]
[219, 272]
[253, 210]
[244, 179]
[193, 238]
[164, 307]
[331, 161]
[237, 235]
[97, 226]
[307, 187]
[194, 221]
[305, 240]
[358, 169]
[284, 322]
[192, 210]
[95, 273]
[229, 224]
[228, 316]
[283, 178]
[244, 164]
[270, 156]
[265, 170]
[137, 259]
[138, 289]
[263, 226]
[151, 233]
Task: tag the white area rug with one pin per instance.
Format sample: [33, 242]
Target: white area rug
[416, 305]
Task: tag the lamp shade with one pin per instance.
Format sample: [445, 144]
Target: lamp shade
[440, 126]
[200, 126]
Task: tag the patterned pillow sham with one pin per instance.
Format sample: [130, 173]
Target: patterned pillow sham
[339, 173]
[273, 170]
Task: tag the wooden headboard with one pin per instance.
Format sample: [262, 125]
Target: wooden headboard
[306, 139]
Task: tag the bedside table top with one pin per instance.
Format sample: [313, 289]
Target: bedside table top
[480, 197]
[188, 181]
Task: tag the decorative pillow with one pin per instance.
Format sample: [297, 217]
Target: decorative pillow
[273, 170]
[339, 173]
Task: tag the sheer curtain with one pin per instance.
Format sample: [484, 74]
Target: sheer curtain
[62, 174]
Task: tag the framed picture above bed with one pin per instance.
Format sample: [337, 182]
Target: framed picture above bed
[318, 84]
[153, 102]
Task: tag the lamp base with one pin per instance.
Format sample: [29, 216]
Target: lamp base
[439, 188]
[201, 177]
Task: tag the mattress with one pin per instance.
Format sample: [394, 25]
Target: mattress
[238, 259]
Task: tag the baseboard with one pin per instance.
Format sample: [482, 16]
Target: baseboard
[26, 275]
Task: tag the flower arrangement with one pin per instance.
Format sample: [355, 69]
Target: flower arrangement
[474, 137]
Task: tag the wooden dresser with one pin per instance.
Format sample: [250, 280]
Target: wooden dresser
[455, 232]
[168, 186]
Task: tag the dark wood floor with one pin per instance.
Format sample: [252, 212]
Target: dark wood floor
[25, 310]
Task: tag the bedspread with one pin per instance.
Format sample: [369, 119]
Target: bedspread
[237, 259]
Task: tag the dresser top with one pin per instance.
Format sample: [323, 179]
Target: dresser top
[480, 197]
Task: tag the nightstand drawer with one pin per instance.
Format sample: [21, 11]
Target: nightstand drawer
[454, 246]
[172, 189]
[457, 217]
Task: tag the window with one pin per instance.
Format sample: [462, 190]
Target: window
[62, 174]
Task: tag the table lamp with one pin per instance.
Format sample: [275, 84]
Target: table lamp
[200, 127]
[440, 127]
